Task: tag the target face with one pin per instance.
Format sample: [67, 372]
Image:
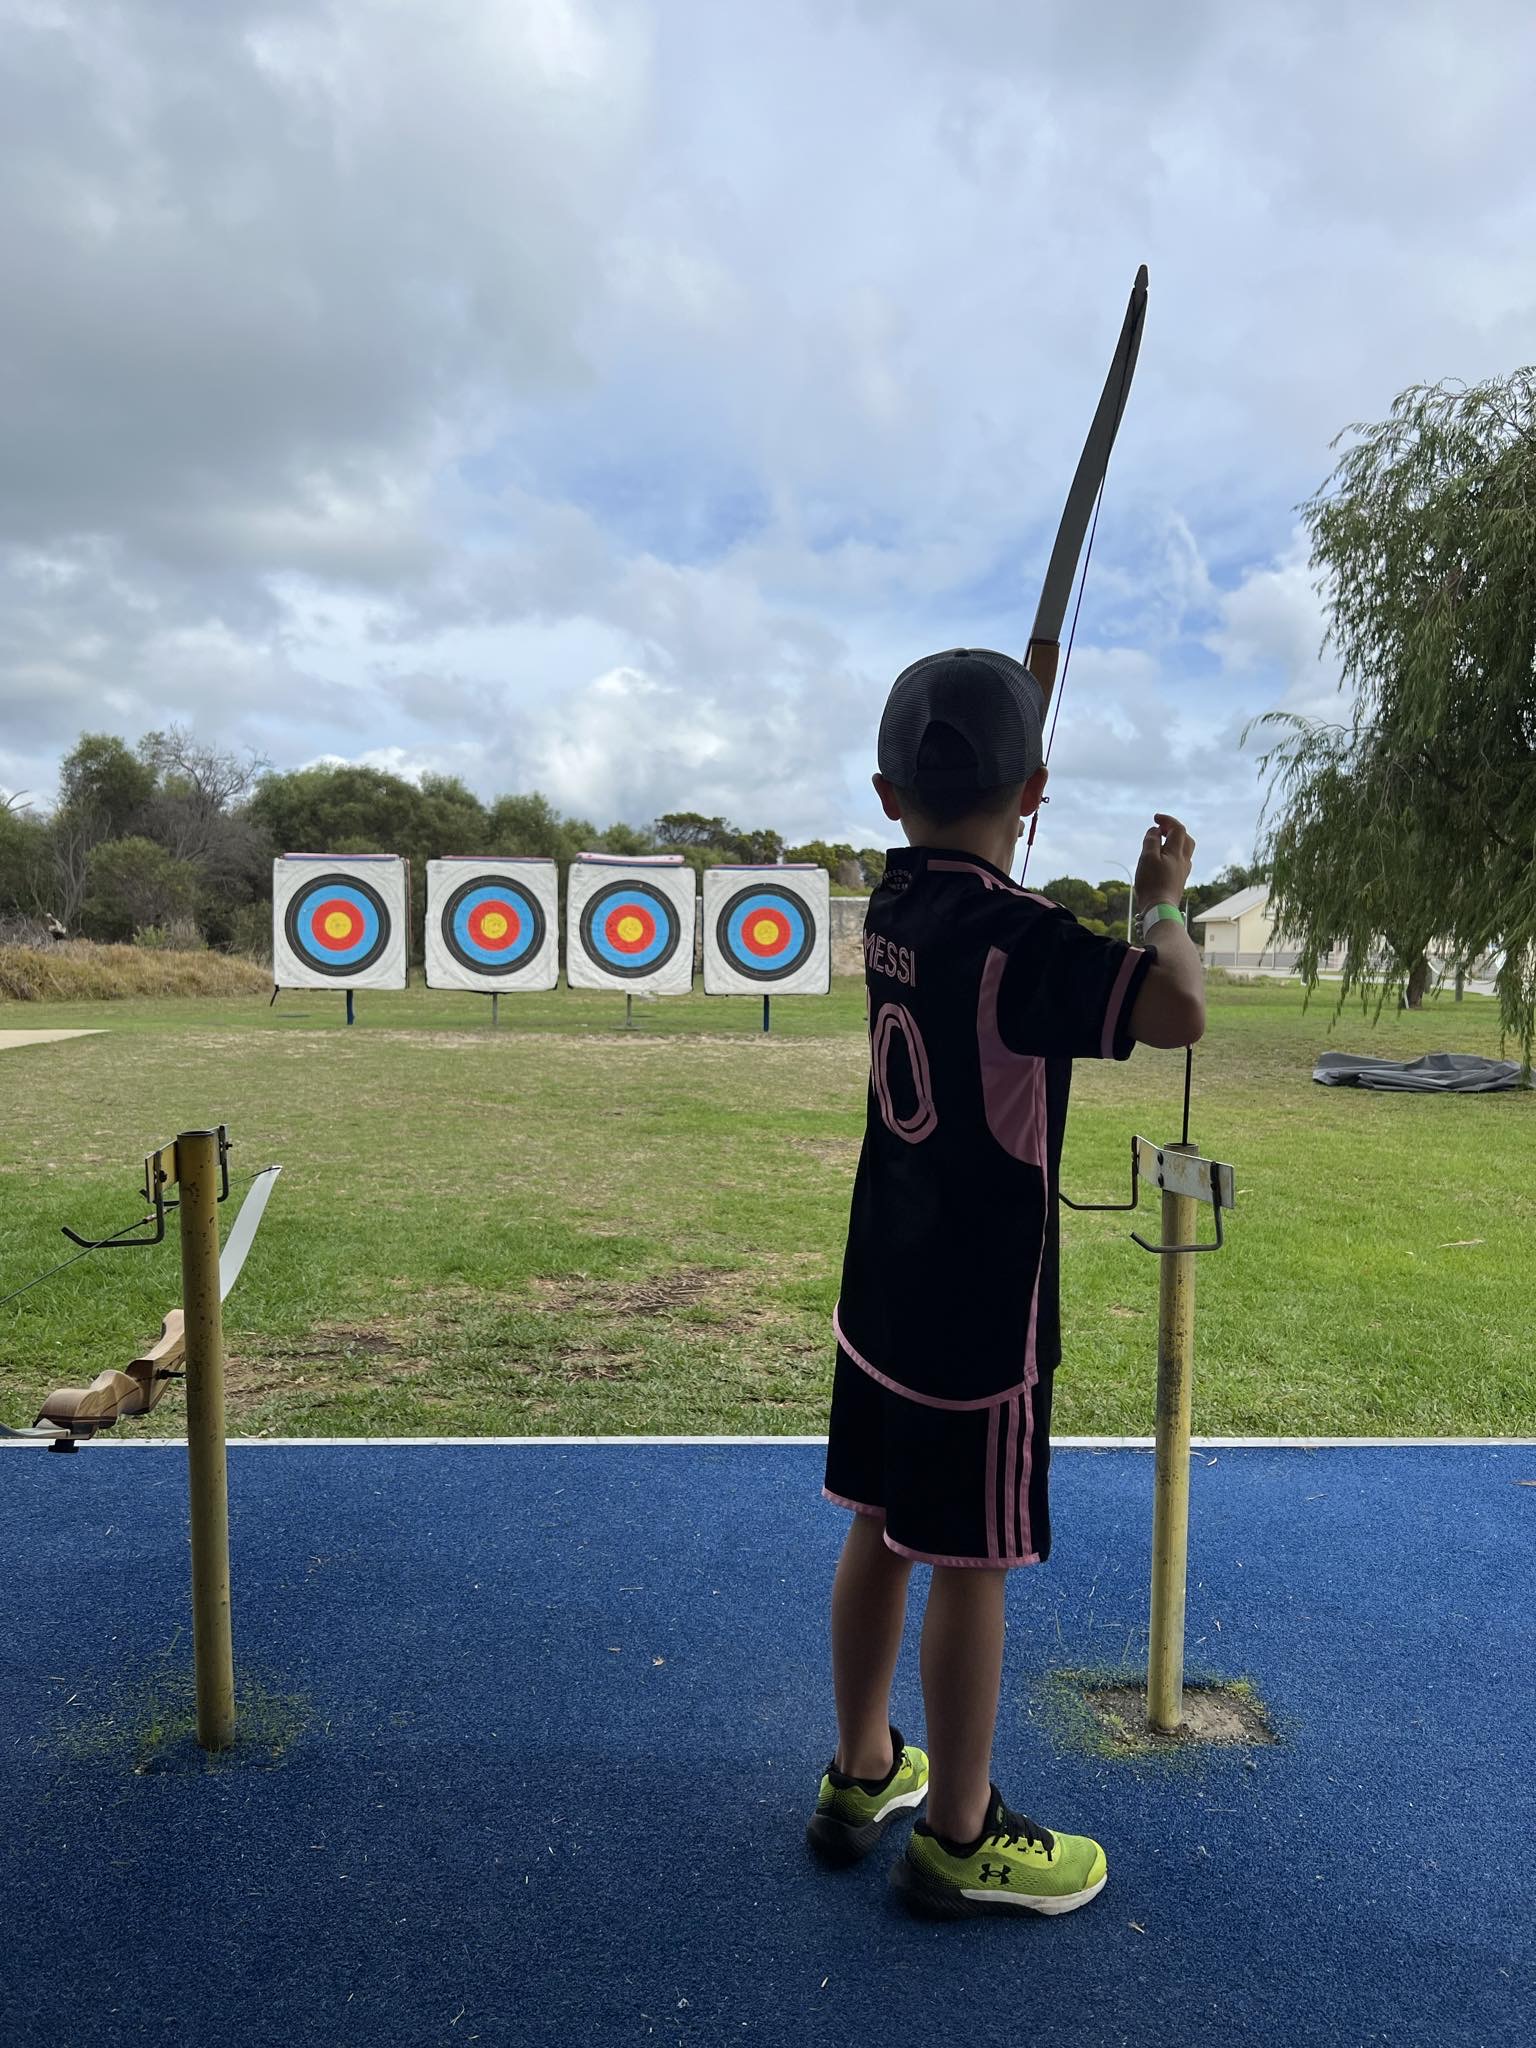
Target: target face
[493, 925]
[630, 929]
[337, 925]
[767, 933]
[767, 930]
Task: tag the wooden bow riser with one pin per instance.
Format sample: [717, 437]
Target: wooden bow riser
[114, 1394]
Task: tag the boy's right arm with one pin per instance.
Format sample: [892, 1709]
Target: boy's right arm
[1169, 1009]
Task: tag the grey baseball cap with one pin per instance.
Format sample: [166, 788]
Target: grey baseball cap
[968, 719]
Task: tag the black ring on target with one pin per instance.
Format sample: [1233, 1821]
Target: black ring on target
[528, 942]
[778, 904]
[374, 929]
[655, 941]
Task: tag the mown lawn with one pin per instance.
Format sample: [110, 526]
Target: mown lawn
[563, 1227]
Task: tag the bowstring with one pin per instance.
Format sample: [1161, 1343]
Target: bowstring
[1082, 584]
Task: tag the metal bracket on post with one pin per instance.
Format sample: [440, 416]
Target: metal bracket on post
[1104, 1208]
[159, 1174]
[1180, 1170]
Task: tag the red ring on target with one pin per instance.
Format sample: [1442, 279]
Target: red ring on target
[335, 924]
[495, 925]
[766, 933]
[629, 928]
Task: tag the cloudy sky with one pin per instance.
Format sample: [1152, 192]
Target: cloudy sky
[610, 396]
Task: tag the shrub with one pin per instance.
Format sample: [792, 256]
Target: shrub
[131, 883]
[250, 932]
[180, 935]
[78, 971]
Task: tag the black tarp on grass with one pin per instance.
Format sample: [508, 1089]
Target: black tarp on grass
[1435, 1073]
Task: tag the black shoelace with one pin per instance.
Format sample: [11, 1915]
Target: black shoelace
[1007, 1827]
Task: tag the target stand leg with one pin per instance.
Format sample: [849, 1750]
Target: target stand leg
[351, 1012]
[629, 1013]
[495, 999]
[767, 1013]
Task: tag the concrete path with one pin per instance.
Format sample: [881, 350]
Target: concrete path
[8, 1039]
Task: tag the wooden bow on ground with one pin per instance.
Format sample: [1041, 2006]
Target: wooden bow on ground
[72, 1415]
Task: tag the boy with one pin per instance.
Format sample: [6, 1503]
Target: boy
[980, 994]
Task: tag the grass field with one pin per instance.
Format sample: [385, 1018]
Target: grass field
[563, 1227]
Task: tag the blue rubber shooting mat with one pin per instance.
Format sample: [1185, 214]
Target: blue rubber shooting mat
[530, 1734]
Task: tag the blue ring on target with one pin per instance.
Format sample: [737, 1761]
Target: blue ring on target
[351, 951]
[788, 913]
[601, 938]
[458, 922]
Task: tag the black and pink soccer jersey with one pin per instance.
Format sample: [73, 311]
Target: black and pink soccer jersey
[980, 996]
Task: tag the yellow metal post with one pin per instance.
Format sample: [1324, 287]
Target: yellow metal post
[1170, 1510]
[197, 1173]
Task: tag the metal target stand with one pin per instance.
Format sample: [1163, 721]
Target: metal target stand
[1187, 1181]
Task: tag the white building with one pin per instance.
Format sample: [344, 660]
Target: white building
[1239, 934]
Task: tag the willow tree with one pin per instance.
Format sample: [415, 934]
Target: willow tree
[1413, 826]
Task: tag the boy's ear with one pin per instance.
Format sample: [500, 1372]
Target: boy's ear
[1034, 792]
[890, 801]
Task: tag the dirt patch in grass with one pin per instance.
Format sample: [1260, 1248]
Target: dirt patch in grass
[287, 1365]
[720, 1297]
[593, 1361]
[623, 1300]
[345, 1340]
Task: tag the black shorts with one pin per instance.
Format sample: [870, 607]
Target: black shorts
[953, 1486]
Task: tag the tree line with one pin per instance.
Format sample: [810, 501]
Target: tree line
[171, 842]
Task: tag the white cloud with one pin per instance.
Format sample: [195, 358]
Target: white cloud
[617, 393]
[1272, 624]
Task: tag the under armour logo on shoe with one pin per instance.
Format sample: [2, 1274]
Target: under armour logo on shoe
[1000, 1875]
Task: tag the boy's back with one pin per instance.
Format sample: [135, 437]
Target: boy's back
[980, 994]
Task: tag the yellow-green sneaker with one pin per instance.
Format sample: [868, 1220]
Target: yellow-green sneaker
[852, 1813]
[1015, 1867]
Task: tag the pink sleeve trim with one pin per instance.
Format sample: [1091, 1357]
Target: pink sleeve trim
[1117, 997]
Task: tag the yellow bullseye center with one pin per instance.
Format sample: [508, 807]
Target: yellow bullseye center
[337, 925]
[631, 930]
[494, 924]
[765, 931]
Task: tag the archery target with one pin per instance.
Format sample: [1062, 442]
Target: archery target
[766, 931]
[629, 925]
[339, 923]
[492, 924]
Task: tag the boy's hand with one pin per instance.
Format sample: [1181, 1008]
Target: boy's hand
[1167, 855]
